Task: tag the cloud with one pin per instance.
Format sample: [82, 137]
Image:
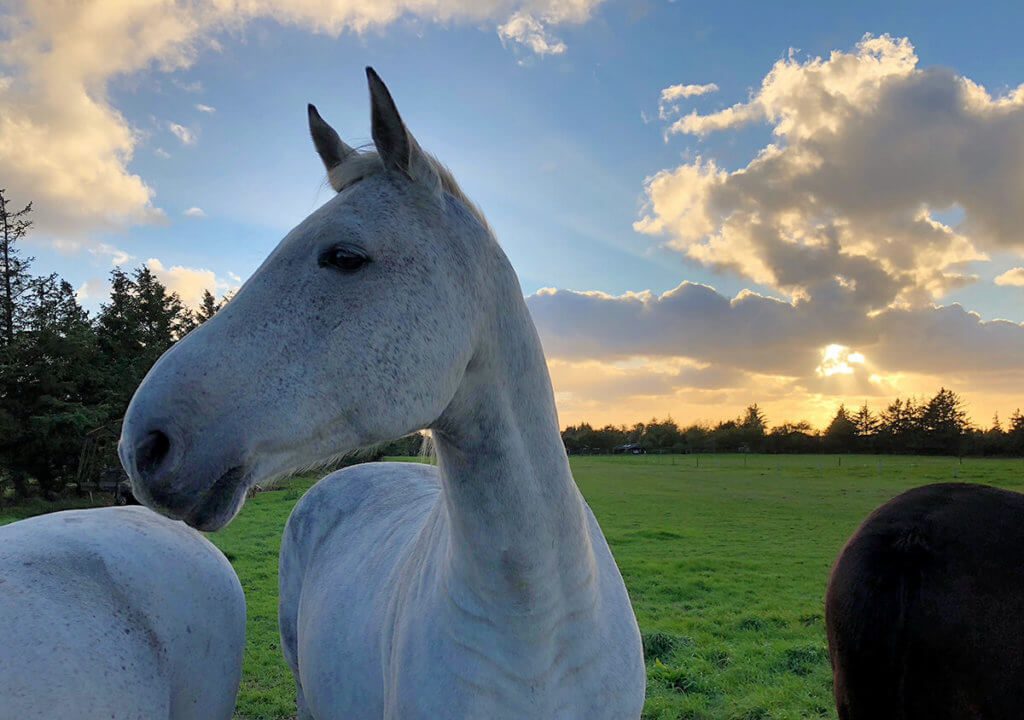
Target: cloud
[846, 215]
[92, 289]
[1013, 276]
[527, 30]
[117, 255]
[674, 93]
[189, 283]
[67, 148]
[161, 153]
[205, 108]
[820, 346]
[869, 150]
[195, 212]
[187, 136]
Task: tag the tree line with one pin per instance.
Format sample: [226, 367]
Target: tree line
[65, 373]
[936, 426]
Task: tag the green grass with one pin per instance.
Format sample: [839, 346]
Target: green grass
[726, 564]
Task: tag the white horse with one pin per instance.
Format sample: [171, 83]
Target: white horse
[482, 588]
[116, 613]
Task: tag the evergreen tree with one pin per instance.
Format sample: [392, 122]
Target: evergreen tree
[48, 386]
[753, 425]
[1015, 433]
[139, 323]
[841, 434]
[208, 308]
[943, 423]
[867, 426]
[14, 269]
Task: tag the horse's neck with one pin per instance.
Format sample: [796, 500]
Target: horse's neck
[519, 532]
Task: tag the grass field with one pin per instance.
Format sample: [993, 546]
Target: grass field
[726, 559]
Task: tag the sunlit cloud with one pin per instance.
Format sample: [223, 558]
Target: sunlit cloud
[189, 283]
[869, 150]
[674, 93]
[1013, 277]
[525, 29]
[838, 360]
[823, 348]
[64, 145]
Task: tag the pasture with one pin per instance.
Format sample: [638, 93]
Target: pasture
[726, 559]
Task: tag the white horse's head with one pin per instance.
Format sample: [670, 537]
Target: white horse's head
[357, 329]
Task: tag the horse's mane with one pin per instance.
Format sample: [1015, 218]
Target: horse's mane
[361, 163]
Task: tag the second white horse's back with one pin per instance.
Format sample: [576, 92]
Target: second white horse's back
[349, 533]
[116, 613]
[366, 549]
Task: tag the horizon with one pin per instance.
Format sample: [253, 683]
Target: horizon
[800, 211]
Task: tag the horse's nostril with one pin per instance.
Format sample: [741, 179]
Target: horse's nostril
[151, 452]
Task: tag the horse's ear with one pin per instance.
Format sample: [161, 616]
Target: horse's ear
[331, 148]
[396, 146]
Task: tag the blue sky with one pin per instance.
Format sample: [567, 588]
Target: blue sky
[554, 147]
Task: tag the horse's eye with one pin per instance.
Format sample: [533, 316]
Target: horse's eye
[346, 259]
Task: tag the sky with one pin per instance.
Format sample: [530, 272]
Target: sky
[708, 204]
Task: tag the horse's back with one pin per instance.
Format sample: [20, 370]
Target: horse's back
[116, 612]
[342, 546]
[925, 608]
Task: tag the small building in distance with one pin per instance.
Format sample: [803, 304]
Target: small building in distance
[629, 449]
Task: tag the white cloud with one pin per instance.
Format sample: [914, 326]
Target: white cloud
[187, 136]
[117, 255]
[527, 30]
[189, 283]
[161, 153]
[195, 212]
[674, 93]
[205, 108]
[846, 211]
[67, 148]
[92, 291]
[1013, 276]
[869, 150]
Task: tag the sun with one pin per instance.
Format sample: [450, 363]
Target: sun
[838, 360]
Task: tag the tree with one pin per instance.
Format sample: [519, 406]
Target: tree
[14, 269]
[663, 436]
[1015, 433]
[867, 425]
[49, 389]
[753, 425]
[944, 423]
[208, 308]
[798, 437]
[841, 434]
[897, 426]
[138, 325]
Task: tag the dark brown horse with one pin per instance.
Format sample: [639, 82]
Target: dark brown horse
[925, 608]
